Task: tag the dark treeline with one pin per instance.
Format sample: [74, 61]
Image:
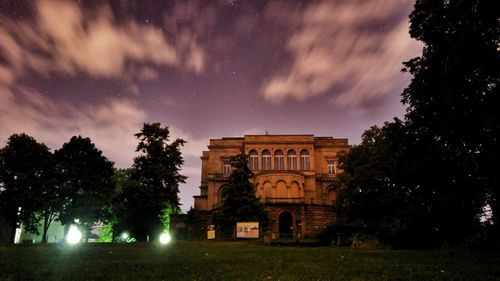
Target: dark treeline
[76, 184]
[433, 177]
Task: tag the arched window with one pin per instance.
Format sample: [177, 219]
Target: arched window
[279, 160]
[254, 160]
[220, 198]
[291, 160]
[304, 160]
[268, 190]
[281, 190]
[331, 196]
[266, 160]
[294, 190]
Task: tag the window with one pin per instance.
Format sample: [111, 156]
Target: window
[226, 167]
[304, 160]
[331, 197]
[266, 160]
[291, 160]
[279, 160]
[254, 160]
[331, 167]
[220, 198]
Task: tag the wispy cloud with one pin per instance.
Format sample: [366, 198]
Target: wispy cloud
[349, 50]
[63, 38]
[110, 125]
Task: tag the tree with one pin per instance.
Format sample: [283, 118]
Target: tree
[50, 195]
[452, 112]
[155, 179]
[121, 178]
[239, 203]
[87, 183]
[441, 170]
[25, 172]
[376, 194]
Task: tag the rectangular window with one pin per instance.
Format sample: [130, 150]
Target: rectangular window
[304, 163]
[279, 163]
[266, 162]
[292, 163]
[331, 167]
[254, 163]
[226, 167]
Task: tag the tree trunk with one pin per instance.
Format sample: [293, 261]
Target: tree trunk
[13, 227]
[113, 231]
[46, 224]
[12, 223]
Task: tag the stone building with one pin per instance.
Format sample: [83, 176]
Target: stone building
[292, 174]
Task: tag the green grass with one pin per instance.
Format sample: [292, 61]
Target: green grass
[210, 260]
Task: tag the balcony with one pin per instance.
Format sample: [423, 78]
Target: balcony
[270, 200]
[219, 176]
[326, 176]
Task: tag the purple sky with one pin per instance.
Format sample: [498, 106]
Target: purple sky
[206, 69]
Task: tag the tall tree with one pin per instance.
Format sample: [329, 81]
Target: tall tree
[25, 167]
[376, 194]
[87, 182]
[51, 196]
[155, 178]
[239, 202]
[452, 112]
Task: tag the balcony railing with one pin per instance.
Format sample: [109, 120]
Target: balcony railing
[220, 176]
[326, 176]
[284, 200]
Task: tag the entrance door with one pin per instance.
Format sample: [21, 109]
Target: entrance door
[286, 223]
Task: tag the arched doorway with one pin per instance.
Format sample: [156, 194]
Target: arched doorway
[180, 230]
[285, 224]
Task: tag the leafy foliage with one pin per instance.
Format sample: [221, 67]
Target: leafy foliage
[26, 172]
[153, 185]
[376, 193]
[452, 116]
[428, 178]
[106, 233]
[87, 182]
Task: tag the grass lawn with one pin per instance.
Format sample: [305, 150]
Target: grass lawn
[209, 260]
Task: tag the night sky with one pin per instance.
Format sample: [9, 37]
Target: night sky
[206, 69]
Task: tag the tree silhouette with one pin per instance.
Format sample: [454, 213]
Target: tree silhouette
[439, 169]
[87, 183]
[239, 203]
[154, 182]
[452, 115]
[26, 175]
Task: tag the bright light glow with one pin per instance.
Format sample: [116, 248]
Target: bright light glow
[124, 236]
[17, 236]
[164, 238]
[74, 235]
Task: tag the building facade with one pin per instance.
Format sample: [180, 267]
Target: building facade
[292, 174]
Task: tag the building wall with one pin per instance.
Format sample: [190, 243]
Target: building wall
[300, 187]
[55, 234]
